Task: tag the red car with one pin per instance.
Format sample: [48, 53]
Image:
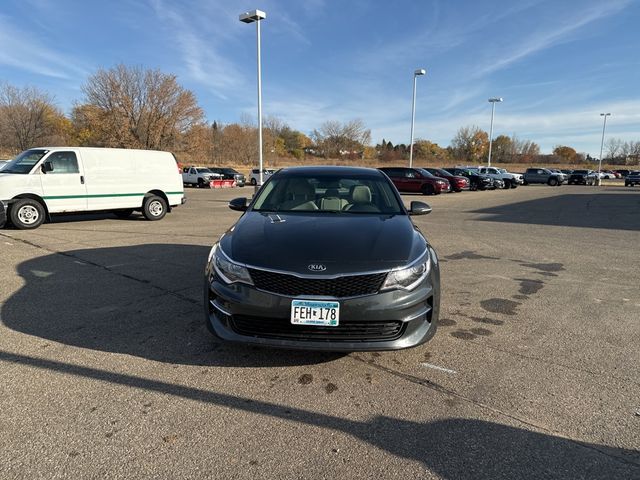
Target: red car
[416, 180]
[457, 182]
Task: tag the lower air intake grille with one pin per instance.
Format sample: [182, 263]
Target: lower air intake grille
[351, 331]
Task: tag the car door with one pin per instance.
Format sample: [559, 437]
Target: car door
[63, 184]
[413, 180]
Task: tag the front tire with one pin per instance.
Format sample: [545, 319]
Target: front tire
[154, 208]
[428, 190]
[553, 182]
[507, 184]
[253, 182]
[27, 214]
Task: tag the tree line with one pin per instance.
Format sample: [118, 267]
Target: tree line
[132, 107]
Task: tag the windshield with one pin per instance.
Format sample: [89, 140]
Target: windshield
[24, 163]
[439, 171]
[349, 194]
[424, 172]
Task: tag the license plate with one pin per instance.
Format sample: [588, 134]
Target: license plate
[313, 312]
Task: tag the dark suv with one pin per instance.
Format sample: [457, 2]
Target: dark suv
[477, 181]
[230, 174]
[582, 177]
[633, 178]
[416, 180]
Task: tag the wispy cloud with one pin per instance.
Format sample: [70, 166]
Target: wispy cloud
[203, 61]
[24, 51]
[546, 38]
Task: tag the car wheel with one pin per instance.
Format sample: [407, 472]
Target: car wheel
[253, 182]
[507, 184]
[200, 183]
[514, 184]
[553, 182]
[154, 208]
[27, 214]
[123, 212]
[428, 189]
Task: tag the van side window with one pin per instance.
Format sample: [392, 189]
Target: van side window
[63, 162]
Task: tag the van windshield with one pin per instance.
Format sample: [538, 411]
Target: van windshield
[24, 163]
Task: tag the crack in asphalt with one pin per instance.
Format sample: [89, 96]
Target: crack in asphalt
[440, 389]
[106, 269]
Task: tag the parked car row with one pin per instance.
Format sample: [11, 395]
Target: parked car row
[433, 181]
[203, 176]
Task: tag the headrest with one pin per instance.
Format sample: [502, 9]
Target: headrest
[361, 194]
[299, 187]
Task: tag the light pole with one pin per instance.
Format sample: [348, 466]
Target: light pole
[492, 101]
[604, 125]
[250, 17]
[416, 74]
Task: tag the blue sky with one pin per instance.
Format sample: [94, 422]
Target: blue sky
[557, 64]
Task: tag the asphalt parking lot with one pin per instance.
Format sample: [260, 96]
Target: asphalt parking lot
[107, 369]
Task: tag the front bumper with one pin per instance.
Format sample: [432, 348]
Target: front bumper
[244, 314]
[3, 213]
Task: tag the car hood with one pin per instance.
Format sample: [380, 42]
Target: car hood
[343, 243]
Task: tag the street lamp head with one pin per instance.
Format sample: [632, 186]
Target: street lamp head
[605, 114]
[420, 71]
[252, 16]
[495, 99]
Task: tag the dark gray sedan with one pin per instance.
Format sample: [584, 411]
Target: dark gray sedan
[324, 258]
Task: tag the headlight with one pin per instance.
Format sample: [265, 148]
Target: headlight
[227, 270]
[410, 277]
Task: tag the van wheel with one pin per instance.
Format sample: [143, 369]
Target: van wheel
[123, 213]
[154, 208]
[27, 214]
[553, 182]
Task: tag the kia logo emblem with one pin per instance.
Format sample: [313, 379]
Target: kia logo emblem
[317, 267]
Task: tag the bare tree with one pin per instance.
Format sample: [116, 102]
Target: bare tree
[613, 148]
[336, 139]
[132, 107]
[28, 118]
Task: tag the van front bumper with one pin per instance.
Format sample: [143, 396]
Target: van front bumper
[3, 213]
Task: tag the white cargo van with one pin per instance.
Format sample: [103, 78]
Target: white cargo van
[47, 180]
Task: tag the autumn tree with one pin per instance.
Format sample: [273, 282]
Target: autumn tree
[29, 118]
[470, 144]
[565, 154]
[134, 108]
[429, 151]
[335, 138]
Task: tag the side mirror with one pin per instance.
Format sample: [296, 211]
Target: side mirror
[419, 208]
[47, 167]
[239, 204]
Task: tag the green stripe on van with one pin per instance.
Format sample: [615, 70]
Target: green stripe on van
[103, 195]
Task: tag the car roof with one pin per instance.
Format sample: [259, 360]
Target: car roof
[330, 169]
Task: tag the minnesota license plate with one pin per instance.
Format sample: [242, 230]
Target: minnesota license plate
[314, 312]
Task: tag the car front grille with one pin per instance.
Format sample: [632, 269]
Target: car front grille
[340, 287]
[347, 331]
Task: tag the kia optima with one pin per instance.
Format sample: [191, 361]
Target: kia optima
[324, 258]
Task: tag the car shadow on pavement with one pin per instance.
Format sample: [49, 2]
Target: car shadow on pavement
[605, 209]
[454, 448]
[141, 300]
